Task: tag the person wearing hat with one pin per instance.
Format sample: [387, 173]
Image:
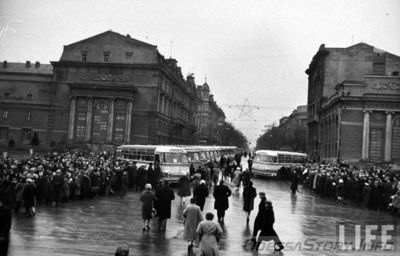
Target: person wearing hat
[267, 230]
[122, 251]
[258, 222]
[58, 184]
[164, 195]
[200, 194]
[147, 198]
[29, 198]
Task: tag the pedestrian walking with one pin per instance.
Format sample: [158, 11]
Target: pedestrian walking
[246, 177]
[209, 234]
[200, 194]
[237, 179]
[258, 222]
[295, 181]
[164, 197]
[267, 231]
[147, 198]
[221, 204]
[184, 187]
[192, 217]
[249, 193]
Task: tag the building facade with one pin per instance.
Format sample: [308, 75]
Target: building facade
[209, 117]
[354, 106]
[297, 119]
[105, 90]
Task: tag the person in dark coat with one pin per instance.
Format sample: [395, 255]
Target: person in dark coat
[267, 231]
[246, 176]
[249, 193]
[164, 195]
[221, 204]
[200, 194]
[258, 222]
[142, 177]
[151, 177]
[295, 181]
[147, 198]
[5, 226]
[184, 187]
[58, 186]
[29, 198]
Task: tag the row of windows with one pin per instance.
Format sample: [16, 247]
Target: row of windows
[26, 137]
[106, 56]
[4, 114]
[28, 96]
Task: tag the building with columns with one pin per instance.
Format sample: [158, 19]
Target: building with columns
[106, 90]
[354, 106]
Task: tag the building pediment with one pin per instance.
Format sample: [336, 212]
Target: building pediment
[117, 47]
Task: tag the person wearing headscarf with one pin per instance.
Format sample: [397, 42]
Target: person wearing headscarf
[249, 193]
[29, 198]
[209, 234]
[147, 198]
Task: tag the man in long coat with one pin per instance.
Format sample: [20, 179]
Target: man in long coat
[221, 204]
[209, 234]
[249, 193]
[164, 195]
[267, 231]
[5, 225]
[192, 216]
[200, 194]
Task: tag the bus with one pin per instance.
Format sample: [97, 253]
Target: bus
[269, 162]
[173, 160]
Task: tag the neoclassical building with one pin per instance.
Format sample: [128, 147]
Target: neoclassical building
[354, 106]
[106, 90]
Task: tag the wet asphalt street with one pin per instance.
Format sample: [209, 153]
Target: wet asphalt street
[305, 223]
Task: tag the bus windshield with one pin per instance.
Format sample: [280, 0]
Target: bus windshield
[173, 158]
[265, 158]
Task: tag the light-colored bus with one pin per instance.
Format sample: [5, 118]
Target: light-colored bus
[173, 160]
[269, 162]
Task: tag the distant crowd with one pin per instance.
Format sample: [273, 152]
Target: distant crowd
[374, 189]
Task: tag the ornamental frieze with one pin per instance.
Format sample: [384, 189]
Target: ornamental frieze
[95, 77]
[392, 86]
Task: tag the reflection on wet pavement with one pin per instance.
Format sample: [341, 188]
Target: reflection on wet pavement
[99, 226]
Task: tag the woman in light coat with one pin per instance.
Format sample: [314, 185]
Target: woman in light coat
[192, 217]
[209, 234]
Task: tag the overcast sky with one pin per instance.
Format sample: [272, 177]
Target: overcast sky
[250, 49]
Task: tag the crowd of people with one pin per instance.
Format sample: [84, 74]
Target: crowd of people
[374, 189]
[59, 178]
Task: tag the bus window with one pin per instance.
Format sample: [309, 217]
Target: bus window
[156, 158]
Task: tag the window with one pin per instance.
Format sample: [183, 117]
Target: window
[26, 136]
[28, 115]
[128, 56]
[29, 97]
[6, 95]
[106, 56]
[5, 113]
[84, 56]
[3, 134]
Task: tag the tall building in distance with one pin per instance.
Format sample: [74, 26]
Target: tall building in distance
[106, 90]
[354, 105]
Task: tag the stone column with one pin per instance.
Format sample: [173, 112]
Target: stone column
[388, 137]
[128, 123]
[71, 125]
[89, 119]
[110, 120]
[365, 144]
